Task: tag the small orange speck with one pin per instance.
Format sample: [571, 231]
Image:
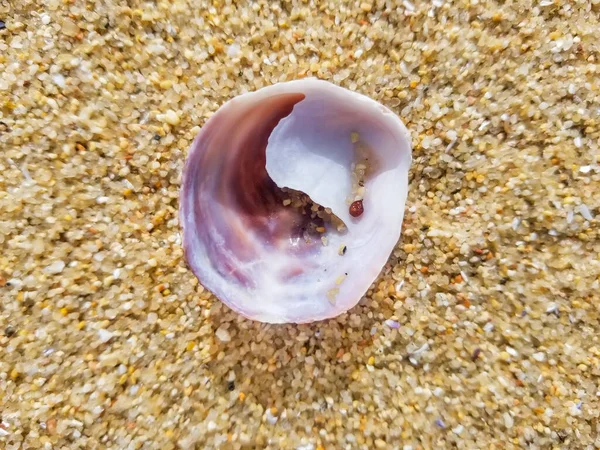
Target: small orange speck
[340, 353]
[242, 396]
[424, 269]
[458, 279]
[190, 346]
[414, 84]
[51, 425]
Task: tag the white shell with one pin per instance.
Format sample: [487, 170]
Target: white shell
[239, 240]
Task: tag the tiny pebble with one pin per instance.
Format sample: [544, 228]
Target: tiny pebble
[223, 335]
[539, 356]
[104, 335]
[392, 323]
[458, 429]
[170, 117]
[511, 351]
[356, 208]
[55, 267]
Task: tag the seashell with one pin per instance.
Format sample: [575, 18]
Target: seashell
[293, 198]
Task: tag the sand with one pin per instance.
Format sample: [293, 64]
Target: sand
[107, 340]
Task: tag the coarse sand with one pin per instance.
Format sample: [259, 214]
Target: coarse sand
[482, 331]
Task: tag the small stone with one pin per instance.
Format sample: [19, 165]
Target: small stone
[170, 117]
[539, 356]
[504, 356]
[105, 335]
[271, 418]
[69, 28]
[233, 51]
[458, 429]
[55, 268]
[59, 80]
[223, 335]
[51, 426]
[356, 208]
